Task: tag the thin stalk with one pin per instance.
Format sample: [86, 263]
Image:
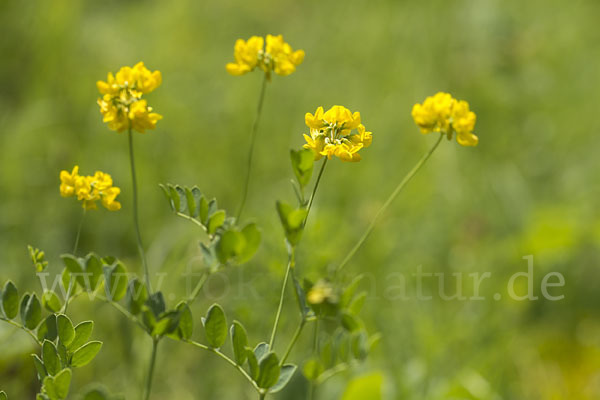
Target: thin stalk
[290, 266]
[253, 135]
[229, 360]
[314, 192]
[312, 388]
[78, 233]
[23, 328]
[151, 369]
[293, 342]
[387, 203]
[198, 287]
[135, 212]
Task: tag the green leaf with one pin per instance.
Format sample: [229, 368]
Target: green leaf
[50, 357]
[62, 381]
[239, 341]
[230, 245]
[10, 300]
[48, 329]
[33, 312]
[303, 162]
[215, 326]
[161, 327]
[115, 277]
[156, 303]
[51, 302]
[269, 369]
[191, 203]
[350, 322]
[83, 331]
[215, 221]
[185, 327]
[348, 293]
[203, 210]
[93, 271]
[175, 202]
[286, 373]
[312, 369]
[75, 268]
[253, 236]
[136, 296]
[292, 221]
[359, 345]
[252, 363]
[182, 199]
[86, 353]
[209, 255]
[3, 395]
[357, 303]
[96, 393]
[66, 331]
[365, 387]
[23, 306]
[301, 297]
[261, 350]
[39, 367]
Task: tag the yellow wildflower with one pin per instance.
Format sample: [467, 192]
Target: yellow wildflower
[90, 189]
[278, 56]
[443, 113]
[337, 132]
[322, 292]
[121, 103]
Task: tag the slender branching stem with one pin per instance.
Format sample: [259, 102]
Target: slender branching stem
[253, 135]
[312, 387]
[314, 192]
[135, 212]
[198, 287]
[293, 341]
[387, 203]
[76, 245]
[148, 389]
[290, 266]
[230, 361]
[23, 328]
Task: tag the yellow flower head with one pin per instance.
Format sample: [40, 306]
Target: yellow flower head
[90, 189]
[322, 292]
[121, 103]
[278, 56]
[443, 113]
[337, 132]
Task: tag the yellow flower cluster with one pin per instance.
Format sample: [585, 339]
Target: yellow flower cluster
[278, 56]
[90, 189]
[443, 113]
[122, 105]
[336, 132]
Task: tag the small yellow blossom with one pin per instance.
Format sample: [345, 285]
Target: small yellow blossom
[278, 56]
[337, 132]
[122, 105]
[443, 113]
[90, 189]
[322, 292]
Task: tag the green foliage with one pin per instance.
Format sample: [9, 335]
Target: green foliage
[228, 243]
[57, 387]
[303, 162]
[85, 354]
[10, 300]
[292, 221]
[268, 370]
[38, 258]
[215, 326]
[239, 341]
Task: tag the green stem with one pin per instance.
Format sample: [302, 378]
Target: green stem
[230, 361]
[312, 387]
[198, 287]
[23, 328]
[312, 195]
[148, 389]
[261, 99]
[293, 342]
[135, 212]
[390, 199]
[290, 266]
[78, 232]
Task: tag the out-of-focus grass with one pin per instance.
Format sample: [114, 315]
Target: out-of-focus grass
[531, 73]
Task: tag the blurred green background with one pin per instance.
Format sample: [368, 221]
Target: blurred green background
[530, 70]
